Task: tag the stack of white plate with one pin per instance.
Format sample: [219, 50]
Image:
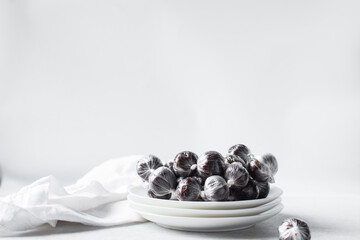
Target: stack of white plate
[203, 216]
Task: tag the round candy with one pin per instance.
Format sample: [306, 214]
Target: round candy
[185, 164]
[210, 163]
[216, 189]
[236, 175]
[162, 182]
[259, 171]
[270, 161]
[188, 189]
[294, 229]
[146, 165]
[240, 150]
[250, 191]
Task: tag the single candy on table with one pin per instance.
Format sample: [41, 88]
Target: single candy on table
[294, 229]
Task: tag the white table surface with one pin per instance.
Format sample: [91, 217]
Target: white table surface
[329, 217]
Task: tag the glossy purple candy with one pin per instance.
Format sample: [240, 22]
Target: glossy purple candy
[185, 164]
[236, 175]
[250, 191]
[162, 182]
[146, 165]
[210, 163]
[216, 189]
[188, 189]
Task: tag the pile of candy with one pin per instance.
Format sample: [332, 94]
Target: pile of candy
[211, 177]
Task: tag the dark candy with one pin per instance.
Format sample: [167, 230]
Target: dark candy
[230, 158]
[146, 165]
[188, 189]
[152, 195]
[216, 189]
[185, 164]
[162, 181]
[250, 191]
[259, 171]
[240, 150]
[269, 160]
[210, 163]
[236, 175]
[294, 229]
[264, 189]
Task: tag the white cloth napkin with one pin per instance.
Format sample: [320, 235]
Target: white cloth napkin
[96, 199]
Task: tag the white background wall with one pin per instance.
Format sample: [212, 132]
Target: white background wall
[84, 81]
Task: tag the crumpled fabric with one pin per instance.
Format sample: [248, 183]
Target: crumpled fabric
[96, 199]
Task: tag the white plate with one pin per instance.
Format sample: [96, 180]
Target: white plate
[139, 194]
[205, 224]
[183, 212]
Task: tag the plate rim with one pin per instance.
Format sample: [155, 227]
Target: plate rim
[266, 213]
[205, 204]
[220, 212]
